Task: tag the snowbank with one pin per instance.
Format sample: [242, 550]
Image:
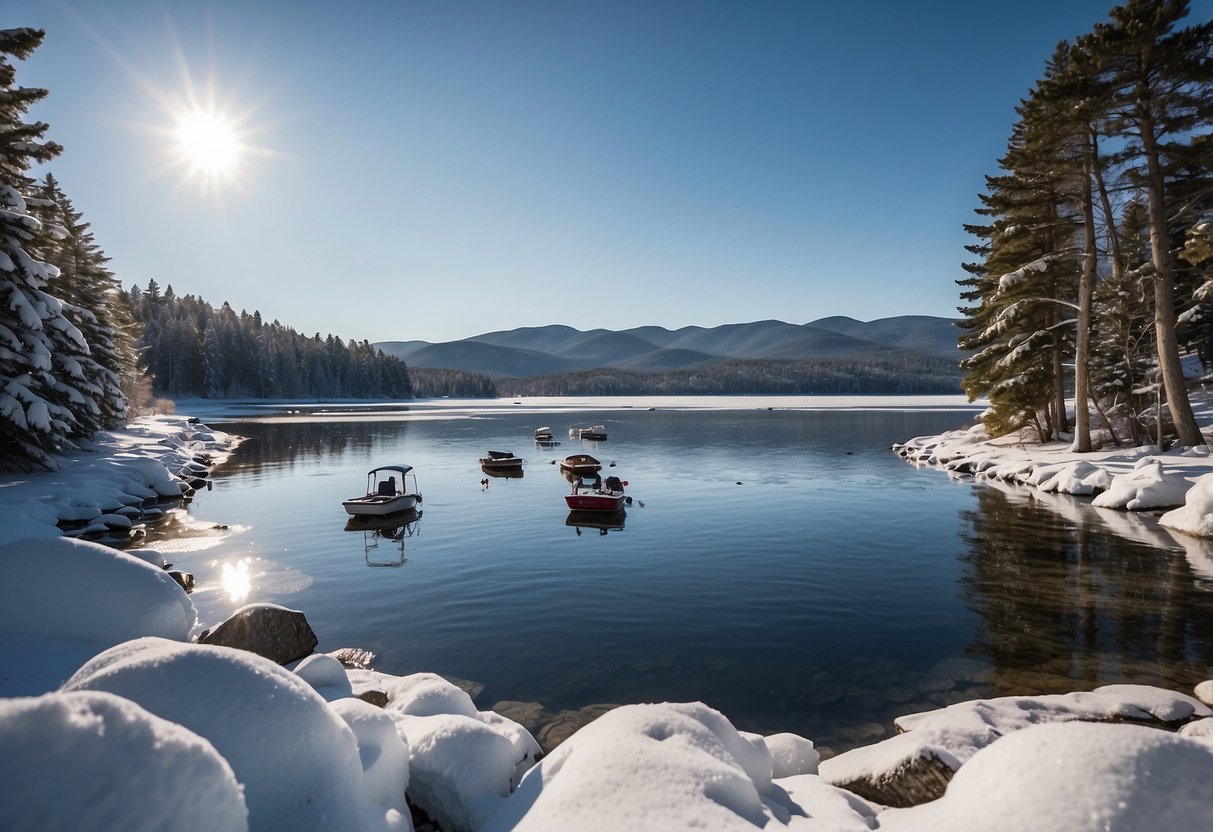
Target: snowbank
[671, 766]
[1073, 778]
[55, 587]
[296, 758]
[1195, 516]
[937, 741]
[462, 762]
[117, 473]
[59, 754]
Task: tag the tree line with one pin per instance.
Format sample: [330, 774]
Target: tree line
[1092, 273]
[900, 373]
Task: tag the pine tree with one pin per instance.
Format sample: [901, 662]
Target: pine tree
[1161, 82]
[35, 420]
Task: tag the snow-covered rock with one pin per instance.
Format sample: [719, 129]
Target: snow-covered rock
[671, 766]
[326, 675]
[60, 755]
[297, 760]
[384, 755]
[1195, 516]
[1073, 777]
[462, 762]
[1145, 487]
[791, 755]
[54, 587]
[915, 766]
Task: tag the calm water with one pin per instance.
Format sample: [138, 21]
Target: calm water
[783, 566]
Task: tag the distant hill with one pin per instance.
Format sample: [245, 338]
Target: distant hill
[531, 352]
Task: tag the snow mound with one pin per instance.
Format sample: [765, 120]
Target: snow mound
[59, 754]
[954, 734]
[55, 587]
[791, 755]
[670, 766]
[384, 755]
[1145, 487]
[1075, 478]
[297, 759]
[1195, 516]
[462, 762]
[326, 675]
[1073, 778]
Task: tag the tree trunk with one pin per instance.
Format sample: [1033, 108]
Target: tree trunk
[1164, 291]
[1086, 291]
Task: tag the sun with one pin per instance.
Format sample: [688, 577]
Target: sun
[208, 143]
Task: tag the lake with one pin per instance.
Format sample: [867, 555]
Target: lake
[783, 566]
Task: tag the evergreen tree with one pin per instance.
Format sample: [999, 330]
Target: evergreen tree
[35, 419]
[1161, 83]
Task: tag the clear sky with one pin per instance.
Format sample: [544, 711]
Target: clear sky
[435, 170]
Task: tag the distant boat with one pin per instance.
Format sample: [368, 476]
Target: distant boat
[595, 494]
[580, 464]
[597, 432]
[385, 493]
[544, 436]
[501, 461]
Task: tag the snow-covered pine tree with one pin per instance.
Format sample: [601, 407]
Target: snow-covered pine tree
[35, 420]
[91, 299]
[1020, 334]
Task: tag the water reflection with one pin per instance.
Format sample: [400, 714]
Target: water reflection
[235, 580]
[600, 521]
[383, 537]
[1064, 604]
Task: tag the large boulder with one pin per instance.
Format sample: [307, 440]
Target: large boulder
[297, 760]
[66, 763]
[279, 634]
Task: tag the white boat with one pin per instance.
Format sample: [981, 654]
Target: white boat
[596, 432]
[544, 434]
[389, 489]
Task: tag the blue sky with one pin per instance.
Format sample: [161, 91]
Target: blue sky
[435, 170]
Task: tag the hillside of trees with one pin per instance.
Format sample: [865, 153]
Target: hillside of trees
[1092, 272]
[194, 349]
[903, 373]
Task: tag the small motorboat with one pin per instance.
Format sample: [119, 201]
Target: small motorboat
[389, 489]
[501, 461]
[597, 432]
[596, 494]
[544, 434]
[580, 464]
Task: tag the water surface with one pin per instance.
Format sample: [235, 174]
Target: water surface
[783, 566]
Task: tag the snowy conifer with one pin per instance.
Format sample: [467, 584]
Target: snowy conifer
[35, 417]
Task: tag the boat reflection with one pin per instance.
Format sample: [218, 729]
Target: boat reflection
[503, 473]
[603, 521]
[383, 537]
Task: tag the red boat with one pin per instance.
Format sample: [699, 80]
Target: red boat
[595, 494]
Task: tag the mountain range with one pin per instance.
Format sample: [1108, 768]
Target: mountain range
[528, 352]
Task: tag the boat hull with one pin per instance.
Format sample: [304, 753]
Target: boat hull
[594, 502]
[375, 506]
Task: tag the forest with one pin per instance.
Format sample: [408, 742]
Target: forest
[1092, 274]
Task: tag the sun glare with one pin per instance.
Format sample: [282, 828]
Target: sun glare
[208, 143]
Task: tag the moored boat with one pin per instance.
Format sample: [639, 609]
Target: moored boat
[596, 494]
[389, 489]
[597, 432]
[580, 464]
[501, 461]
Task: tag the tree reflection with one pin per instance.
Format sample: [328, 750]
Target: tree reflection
[279, 444]
[1065, 604]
